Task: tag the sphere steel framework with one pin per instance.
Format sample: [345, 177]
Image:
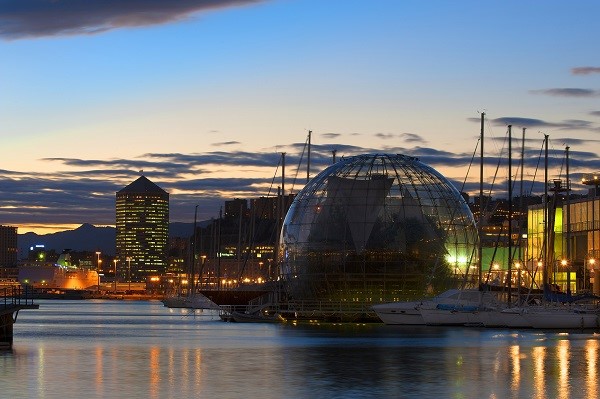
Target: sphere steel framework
[373, 228]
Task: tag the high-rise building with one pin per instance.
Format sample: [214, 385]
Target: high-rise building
[8, 251]
[142, 221]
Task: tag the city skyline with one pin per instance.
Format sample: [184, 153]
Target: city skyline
[203, 96]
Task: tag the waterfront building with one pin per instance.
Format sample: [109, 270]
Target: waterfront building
[142, 230]
[236, 208]
[572, 233]
[376, 228]
[8, 252]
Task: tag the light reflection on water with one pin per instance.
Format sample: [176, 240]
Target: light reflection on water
[121, 349]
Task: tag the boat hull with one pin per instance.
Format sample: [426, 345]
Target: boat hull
[399, 313]
[561, 319]
[443, 317]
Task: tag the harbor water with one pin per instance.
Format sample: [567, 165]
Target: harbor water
[140, 349]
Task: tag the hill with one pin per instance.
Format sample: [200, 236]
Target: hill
[87, 237]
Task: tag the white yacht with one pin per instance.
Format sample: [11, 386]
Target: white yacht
[431, 311]
[562, 317]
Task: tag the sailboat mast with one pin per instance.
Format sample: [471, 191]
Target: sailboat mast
[193, 257]
[308, 158]
[568, 203]
[509, 214]
[521, 221]
[481, 208]
[219, 249]
[280, 207]
[545, 232]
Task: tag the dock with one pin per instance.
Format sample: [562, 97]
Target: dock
[12, 300]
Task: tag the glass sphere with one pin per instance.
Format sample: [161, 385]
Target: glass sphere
[373, 228]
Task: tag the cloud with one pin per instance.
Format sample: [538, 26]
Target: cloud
[585, 70]
[412, 138]
[407, 137]
[567, 92]
[385, 136]
[517, 121]
[39, 18]
[595, 113]
[86, 192]
[225, 143]
[522, 122]
[330, 135]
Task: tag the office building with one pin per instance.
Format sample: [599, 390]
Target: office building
[142, 222]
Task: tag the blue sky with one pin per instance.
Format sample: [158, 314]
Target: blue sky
[204, 95]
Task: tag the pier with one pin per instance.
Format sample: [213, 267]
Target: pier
[12, 299]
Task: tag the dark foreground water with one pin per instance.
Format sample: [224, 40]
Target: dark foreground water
[122, 349]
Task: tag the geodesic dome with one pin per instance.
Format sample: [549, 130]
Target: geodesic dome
[376, 227]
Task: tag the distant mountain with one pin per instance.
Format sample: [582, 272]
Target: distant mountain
[88, 237]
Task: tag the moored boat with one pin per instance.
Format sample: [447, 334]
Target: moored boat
[549, 317]
[454, 300]
[257, 317]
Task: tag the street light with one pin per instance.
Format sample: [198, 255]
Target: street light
[129, 267]
[98, 269]
[203, 257]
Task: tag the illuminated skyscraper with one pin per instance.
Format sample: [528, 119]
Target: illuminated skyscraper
[142, 221]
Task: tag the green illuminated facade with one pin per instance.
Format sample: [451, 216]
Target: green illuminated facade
[142, 222]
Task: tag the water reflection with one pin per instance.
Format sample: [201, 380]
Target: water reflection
[563, 355]
[591, 357]
[142, 350]
[539, 373]
[515, 354]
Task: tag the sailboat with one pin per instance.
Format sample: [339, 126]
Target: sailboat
[192, 299]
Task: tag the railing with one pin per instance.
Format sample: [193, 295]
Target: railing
[14, 296]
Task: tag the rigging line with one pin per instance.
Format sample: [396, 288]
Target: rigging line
[498, 166]
[537, 167]
[299, 163]
[274, 176]
[470, 164]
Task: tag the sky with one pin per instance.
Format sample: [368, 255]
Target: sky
[202, 96]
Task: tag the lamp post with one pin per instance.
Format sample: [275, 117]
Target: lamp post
[518, 267]
[115, 275]
[203, 257]
[565, 264]
[98, 268]
[129, 274]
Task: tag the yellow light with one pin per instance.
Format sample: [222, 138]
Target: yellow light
[592, 261]
[496, 266]
[563, 262]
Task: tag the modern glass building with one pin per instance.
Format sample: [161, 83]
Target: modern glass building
[142, 222]
[374, 228]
